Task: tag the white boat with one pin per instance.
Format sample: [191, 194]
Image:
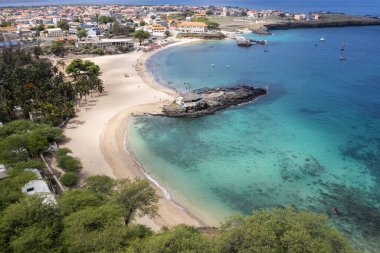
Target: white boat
[212, 65]
[322, 39]
[228, 66]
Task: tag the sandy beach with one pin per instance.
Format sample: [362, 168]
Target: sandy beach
[97, 134]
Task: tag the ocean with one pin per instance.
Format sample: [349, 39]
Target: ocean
[313, 142]
[361, 7]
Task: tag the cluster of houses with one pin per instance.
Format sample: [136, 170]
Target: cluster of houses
[43, 23]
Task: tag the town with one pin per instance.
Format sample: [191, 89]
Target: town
[109, 29]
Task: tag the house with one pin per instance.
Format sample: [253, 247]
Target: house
[39, 187]
[156, 29]
[54, 32]
[314, 16]
[92, 32]
[3, 171]
[103, 43]
[299, 16]
[192, 27]
[9, 33]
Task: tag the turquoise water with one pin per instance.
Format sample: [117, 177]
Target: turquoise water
[313, 142]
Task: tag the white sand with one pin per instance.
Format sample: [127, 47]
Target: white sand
[97, 134]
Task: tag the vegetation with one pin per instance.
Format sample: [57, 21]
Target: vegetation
[98, 218]
[86, 76]
[23, 140]
[58, 48]
[33, 87]
[212, 25]
[81, 33]
[19, 141]
[141, 35]
[69, 179]
[64, 25]
[118, 29]
[98, 51]
[205, 36]
[70, 165]
[106, 19]
[40, 27]
[5, 23]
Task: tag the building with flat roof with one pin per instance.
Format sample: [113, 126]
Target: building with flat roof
[103, 43]
[39, 187]
[54, 32]
[3, 171]
[192, 27]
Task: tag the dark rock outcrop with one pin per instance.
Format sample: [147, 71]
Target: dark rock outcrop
[207, 101]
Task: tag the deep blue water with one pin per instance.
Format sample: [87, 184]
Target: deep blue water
[361, 7]
[313, 142]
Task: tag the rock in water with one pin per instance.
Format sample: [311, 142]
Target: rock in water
[207, 101]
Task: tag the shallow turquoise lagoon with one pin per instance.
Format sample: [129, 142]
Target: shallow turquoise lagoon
[313, 142]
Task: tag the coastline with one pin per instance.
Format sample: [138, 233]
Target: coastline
[97, 134]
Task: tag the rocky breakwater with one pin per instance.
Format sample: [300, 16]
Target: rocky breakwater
[207, 101]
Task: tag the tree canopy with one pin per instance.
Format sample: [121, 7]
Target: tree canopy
[281, 230]
[141, 35]
[93, 219]
[34, 86]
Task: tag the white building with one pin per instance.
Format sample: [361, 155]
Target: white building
[192, 27]
[54, 32]
[39, 187]
[103, 43]
[3, 171]
[156, 29]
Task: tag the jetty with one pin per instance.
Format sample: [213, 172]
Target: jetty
[207, 101]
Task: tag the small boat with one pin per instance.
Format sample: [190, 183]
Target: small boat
[228, 66]
[322, 39]
[342, 58]
[266, 50]
[212, 65]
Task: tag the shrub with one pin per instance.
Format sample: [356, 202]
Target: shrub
[69, 164]
[69, 179]
[98, 51]
[62, 152]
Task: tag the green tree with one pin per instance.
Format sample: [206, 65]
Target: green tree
[281, 230]
[141, 35]
[64, 25]
[142, 23]
[5, 23]
[178, 239]
[100, 184]
[81, 33]
[95, 229]
[36, 144]
[69, 179]
[86, 74]
[30, 224]
[167, 33]
[137, 198]
[58, 48]
[78, 199]
[10, 187]
[70, 164]
[40, 27]
[106, 19]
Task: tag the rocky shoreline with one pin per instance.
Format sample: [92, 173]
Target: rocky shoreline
[207, 101]
[330, 21]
